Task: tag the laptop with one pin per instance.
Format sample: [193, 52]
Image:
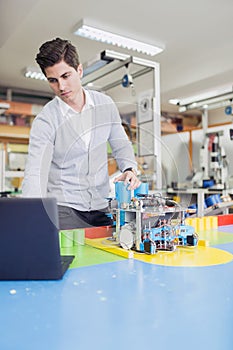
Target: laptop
[29, 240]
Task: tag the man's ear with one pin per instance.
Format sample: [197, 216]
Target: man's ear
[80, 70]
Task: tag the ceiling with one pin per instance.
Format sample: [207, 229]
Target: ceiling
[196, 36]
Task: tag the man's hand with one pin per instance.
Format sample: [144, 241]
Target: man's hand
[129, 178]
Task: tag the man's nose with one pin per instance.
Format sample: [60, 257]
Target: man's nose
[61, 85]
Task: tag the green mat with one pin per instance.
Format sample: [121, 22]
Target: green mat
[86, 256]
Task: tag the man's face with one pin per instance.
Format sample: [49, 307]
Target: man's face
[65, 81]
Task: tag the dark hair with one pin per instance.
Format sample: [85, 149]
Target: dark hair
[56, 50]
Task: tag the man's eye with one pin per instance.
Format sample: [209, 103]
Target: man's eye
[52, 80]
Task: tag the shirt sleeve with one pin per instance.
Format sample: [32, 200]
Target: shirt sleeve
[122, 148]
[39, 158]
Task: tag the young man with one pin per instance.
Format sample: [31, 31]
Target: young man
[68, 143]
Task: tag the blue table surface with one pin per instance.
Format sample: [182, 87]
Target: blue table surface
[126, 304]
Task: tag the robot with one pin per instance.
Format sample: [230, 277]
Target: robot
[148, 223]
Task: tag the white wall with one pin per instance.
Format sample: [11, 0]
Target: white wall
[175, 157]
[218, 116]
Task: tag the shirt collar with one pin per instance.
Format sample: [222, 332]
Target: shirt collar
[65, 108]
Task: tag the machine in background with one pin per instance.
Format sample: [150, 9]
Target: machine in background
[213, 163]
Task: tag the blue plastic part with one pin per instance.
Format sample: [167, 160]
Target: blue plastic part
[142, 189]
[123, 195]
[208, 183]
[228, 110]
[122, 217]
[214, 199]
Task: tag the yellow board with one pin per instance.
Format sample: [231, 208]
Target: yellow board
[182, 256]
[195, 256]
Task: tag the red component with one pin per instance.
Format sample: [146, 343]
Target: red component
[98, 232]
[225, 219]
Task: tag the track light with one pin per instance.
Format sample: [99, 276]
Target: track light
[95, 33]
[210, 99]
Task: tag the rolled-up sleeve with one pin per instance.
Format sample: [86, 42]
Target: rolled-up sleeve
[39, 158]
[122, 149]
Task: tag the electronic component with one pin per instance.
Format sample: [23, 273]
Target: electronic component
[149, 222]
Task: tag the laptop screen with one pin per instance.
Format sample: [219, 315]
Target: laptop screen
[29, 241]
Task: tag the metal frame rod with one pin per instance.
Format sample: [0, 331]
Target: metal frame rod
[134, 75]
[148, 66]
[102, 72]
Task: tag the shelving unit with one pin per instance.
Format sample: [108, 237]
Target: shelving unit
[4, 174]
[11, 134]
[198, 196]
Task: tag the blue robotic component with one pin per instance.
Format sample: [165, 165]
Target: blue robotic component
[186, 236]
[149, 222]
[167, 237]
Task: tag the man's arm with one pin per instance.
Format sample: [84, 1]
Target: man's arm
[123, 153]
[38, 160]
[129, 176]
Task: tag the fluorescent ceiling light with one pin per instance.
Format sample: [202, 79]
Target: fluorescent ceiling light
[3, 107]
[91, 32]
[174, 101]
[34, 73]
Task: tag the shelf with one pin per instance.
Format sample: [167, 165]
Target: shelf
[14, 133]
[16, 173]
[218, 208]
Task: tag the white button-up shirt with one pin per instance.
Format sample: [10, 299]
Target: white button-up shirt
[68, 157]
[82, 121]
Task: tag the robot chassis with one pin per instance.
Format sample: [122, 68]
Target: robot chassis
[151, 223]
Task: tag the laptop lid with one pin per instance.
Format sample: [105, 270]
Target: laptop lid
[29, 240]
